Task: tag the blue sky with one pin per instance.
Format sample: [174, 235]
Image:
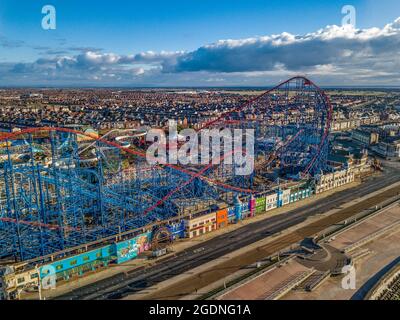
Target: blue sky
[96, 38]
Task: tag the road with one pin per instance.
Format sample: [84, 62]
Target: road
[122, 284]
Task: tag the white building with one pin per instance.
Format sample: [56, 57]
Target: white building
[333, 180]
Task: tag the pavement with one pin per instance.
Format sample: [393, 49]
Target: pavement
[381, 252]
[259, 287]
[325, 259]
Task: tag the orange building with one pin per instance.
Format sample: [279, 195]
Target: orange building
[222, 218]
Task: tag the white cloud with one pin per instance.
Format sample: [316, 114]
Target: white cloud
[333, 54]
[332, 46]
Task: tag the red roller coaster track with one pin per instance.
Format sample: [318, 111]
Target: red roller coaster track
[13, 135]
[307, 82]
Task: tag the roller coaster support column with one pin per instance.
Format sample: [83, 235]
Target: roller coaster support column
[100, 172]
[12, 231]
[57, 185]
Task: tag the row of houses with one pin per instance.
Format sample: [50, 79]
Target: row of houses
[381, 140]
[199, 223]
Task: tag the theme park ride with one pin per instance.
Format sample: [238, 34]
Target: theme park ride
[60, 187]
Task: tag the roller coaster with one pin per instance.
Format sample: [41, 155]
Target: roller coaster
[58, 190]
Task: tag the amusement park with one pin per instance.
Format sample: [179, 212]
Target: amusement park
[199, 157]
[75, 200]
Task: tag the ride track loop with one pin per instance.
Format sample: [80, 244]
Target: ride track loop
[306, 82]
[193, 175]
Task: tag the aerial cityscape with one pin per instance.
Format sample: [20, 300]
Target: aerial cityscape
[156, 155]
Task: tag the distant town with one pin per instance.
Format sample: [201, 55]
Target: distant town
[345, 138]
[366, 119]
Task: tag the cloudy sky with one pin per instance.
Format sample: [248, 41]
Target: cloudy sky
[199, 43]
